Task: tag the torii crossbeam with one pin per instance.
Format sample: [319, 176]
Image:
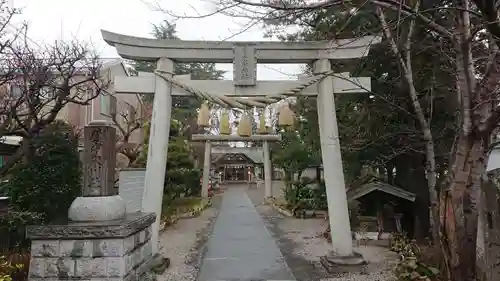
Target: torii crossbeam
[144, 83]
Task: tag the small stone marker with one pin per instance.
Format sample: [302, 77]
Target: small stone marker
[131, 188]
[99, 159]
[99, 201]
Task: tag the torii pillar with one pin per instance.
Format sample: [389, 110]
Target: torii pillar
[158, 147]
[268, 168]
[207, 164]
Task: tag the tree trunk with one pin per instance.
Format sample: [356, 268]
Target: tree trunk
[458, 211]
[390, 172]
[406, 65]
[28, 150]
[410, 175]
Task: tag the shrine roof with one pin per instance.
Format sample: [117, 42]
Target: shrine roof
[220, 157]
[255, 156]
[354, 193]
[493, 159]
[254, 153]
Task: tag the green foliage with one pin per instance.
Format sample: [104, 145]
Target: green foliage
[181, 177]
[305, 194]
[380, 128]
[178, 154]
[51, 180]
[412, 265]
[292, 154]
[12, 229]
[14, 266]
[141, 160]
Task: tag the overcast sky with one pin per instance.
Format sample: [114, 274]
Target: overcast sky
[51, 20]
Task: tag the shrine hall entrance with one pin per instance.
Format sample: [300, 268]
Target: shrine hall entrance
[234, 167]
[235, 173]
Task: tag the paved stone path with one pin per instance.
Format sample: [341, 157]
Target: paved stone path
[240, 247]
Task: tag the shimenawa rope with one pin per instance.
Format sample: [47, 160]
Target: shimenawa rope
[242, 103]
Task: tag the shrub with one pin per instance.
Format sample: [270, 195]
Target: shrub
[413, 263]
[305, 194]
[51, 180]
[192, 182]
[181, 178]
[295, 194]
[319, 196]
[12, 229]
[14, 266]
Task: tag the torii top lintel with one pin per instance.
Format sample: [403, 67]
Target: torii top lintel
[244, 55]
[146, 49]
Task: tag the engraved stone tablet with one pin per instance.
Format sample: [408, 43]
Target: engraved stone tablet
[99, 159]
[244, 65]
[131, 188]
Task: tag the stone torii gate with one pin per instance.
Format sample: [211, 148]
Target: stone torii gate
[265, 147]
[245, 56]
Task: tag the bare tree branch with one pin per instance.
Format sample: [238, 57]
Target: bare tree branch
[37, 82]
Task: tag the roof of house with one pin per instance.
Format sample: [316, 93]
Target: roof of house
[354, 193]
[114, 62]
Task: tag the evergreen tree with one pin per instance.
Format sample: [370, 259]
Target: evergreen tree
[50, 182]
[184, 108]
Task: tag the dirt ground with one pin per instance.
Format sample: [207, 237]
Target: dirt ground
[183, 243]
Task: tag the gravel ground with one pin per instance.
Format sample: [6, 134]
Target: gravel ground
[302, 244]
[182, 243]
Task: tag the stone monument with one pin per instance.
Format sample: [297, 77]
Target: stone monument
[131, 188]
[100, 241]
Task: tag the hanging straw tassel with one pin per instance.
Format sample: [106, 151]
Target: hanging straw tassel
[286, 116]
[204, 116]
[245, 126]
[263, 129]
[224, 128]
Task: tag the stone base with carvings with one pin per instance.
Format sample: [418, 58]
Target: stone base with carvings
[114, 250]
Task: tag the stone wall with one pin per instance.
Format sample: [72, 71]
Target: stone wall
[112, 259]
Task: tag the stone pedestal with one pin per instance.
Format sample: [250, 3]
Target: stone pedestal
[334, 263]
[113, 251]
